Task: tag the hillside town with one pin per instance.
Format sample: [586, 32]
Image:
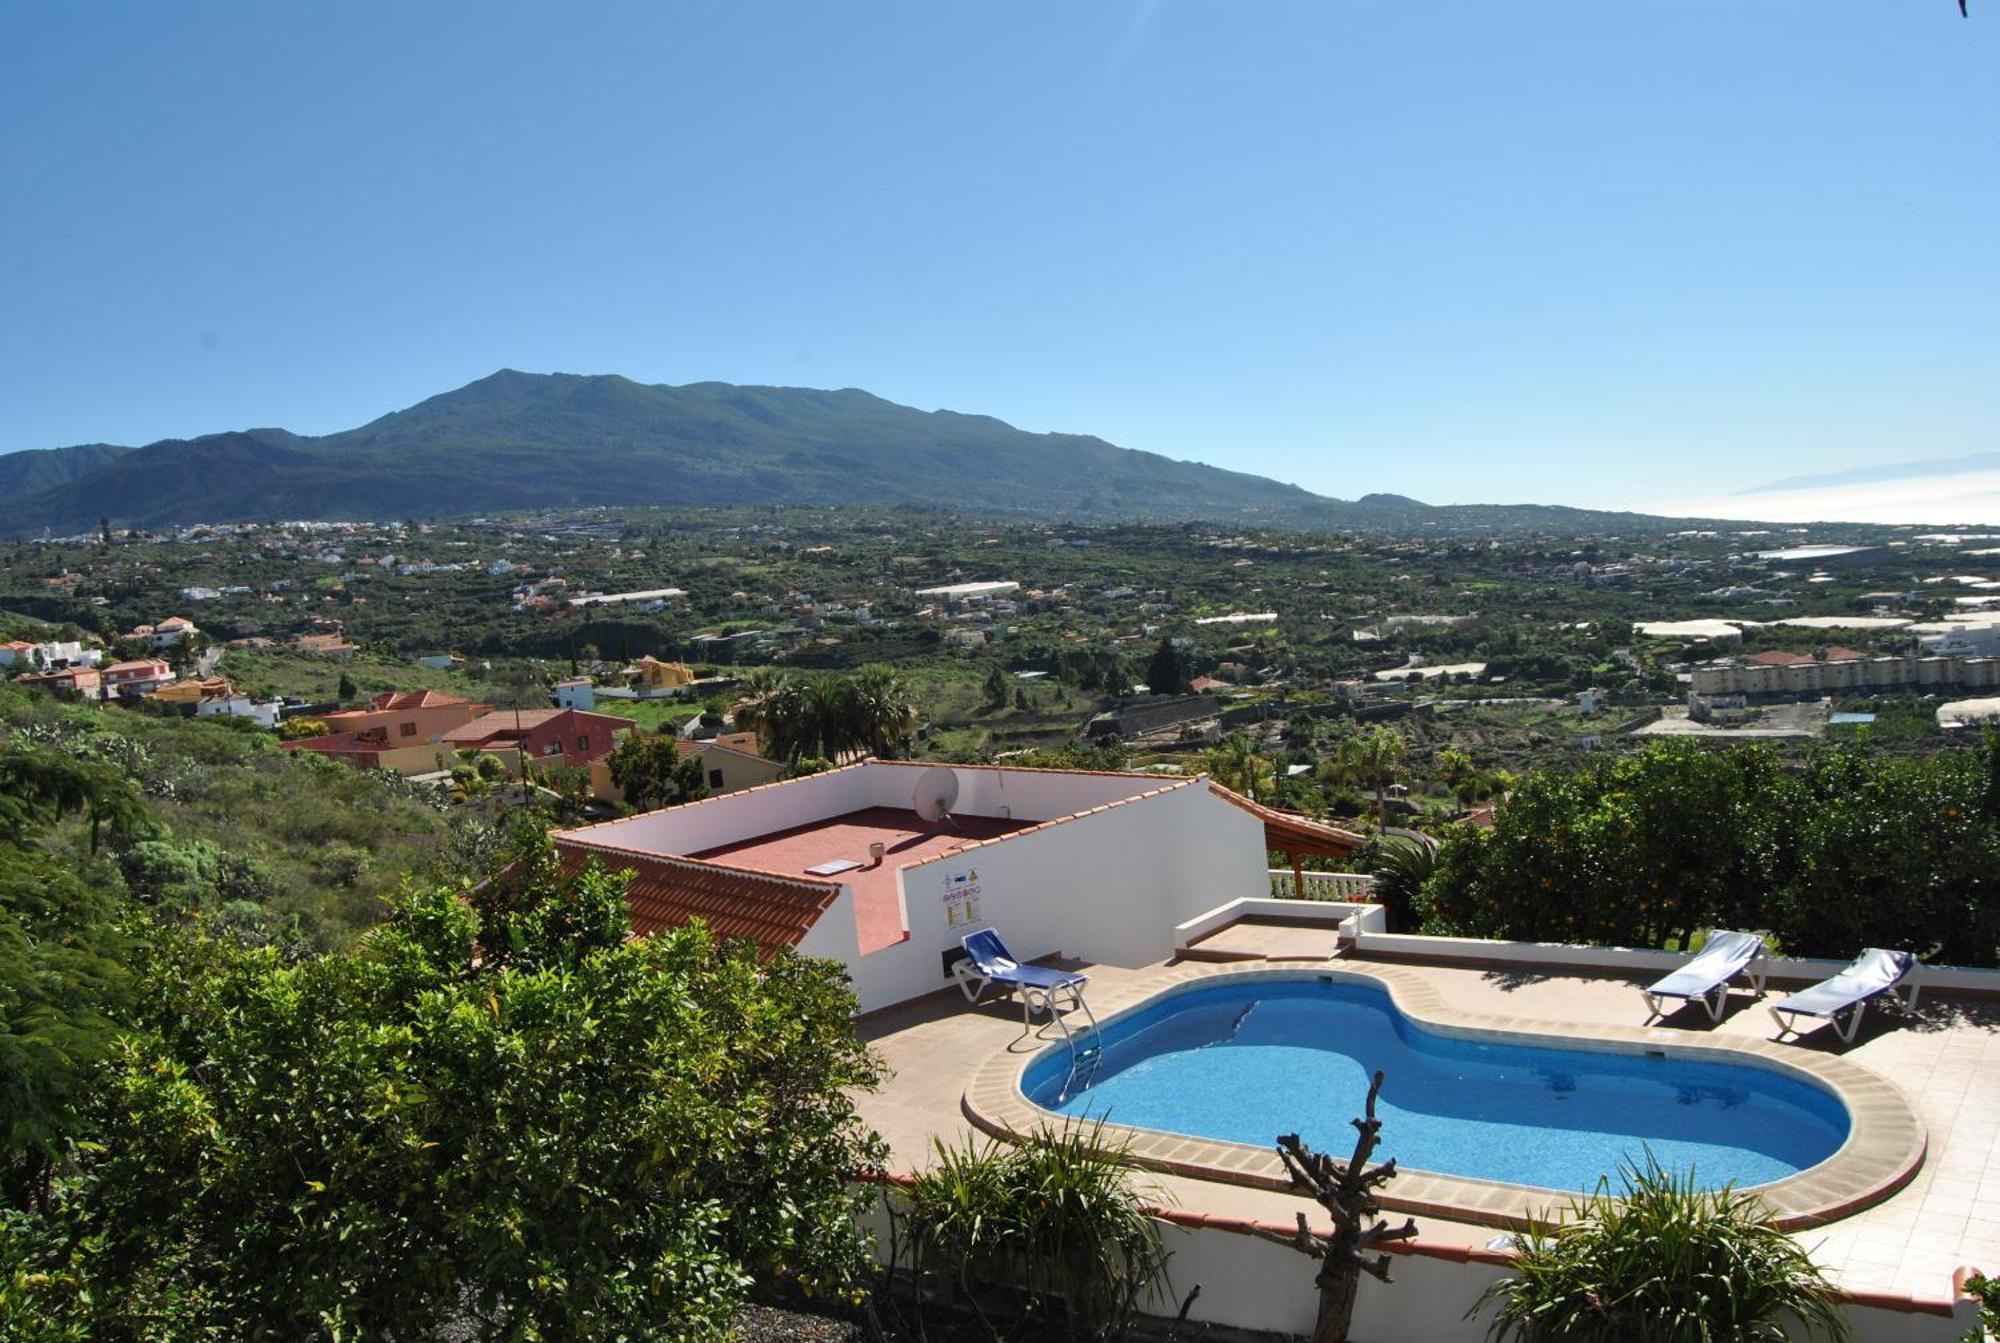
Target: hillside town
[1512, 650]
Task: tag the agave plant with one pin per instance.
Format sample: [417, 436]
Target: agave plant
[1664, 1261]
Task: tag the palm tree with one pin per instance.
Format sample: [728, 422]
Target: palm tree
[55, 785]
[1236, 764]
[883, 711]
[1375, 758]
[812, 716]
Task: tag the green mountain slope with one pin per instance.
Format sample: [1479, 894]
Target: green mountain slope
[516, 441]
[31, 472]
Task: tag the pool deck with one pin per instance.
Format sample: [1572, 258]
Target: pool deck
[1944, 1064]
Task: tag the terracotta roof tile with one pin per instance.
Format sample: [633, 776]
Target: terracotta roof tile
[666, 892]
[414, 699]
[1286, 830]
[501, 721]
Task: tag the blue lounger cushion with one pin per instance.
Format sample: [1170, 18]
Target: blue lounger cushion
[996, 963]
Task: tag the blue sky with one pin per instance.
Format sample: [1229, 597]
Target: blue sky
[1598, 251]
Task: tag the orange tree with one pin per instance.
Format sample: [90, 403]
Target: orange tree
[1634, 851]
[1845, 851]
[497, 1114]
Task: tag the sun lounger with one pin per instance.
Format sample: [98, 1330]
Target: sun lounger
[987, 961]
[1873, 974]
[1705, 979]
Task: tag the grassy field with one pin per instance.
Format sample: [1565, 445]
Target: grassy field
[315, 678]
[651, 715]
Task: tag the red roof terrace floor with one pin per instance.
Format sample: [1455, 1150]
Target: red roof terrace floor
[905, 837]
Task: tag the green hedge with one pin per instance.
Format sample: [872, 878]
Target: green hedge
[1843, 852]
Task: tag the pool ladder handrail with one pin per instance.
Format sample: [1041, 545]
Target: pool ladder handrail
[1084, 1054]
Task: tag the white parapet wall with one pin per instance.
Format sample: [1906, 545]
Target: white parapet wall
[1349, 918]
[1250, 1281]
[1637, 962]
[1018, 794]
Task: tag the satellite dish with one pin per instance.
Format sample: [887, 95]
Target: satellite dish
[937, 790]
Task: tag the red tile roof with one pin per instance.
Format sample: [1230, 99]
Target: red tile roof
[1290, 831]
[141, 668]
[414, 699]
[1777, 657]
[664, 892]
[907, 841]
[500, 721]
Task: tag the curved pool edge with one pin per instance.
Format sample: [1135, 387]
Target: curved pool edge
[1885, 1145]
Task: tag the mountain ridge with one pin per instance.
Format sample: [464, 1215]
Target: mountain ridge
[515, 441]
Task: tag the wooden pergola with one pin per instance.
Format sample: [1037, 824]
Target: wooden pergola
[1296, 835]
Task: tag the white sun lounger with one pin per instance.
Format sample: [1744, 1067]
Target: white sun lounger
[1873, 974]
[1705, 979]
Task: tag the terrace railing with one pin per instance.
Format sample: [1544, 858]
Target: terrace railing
[1349, 887]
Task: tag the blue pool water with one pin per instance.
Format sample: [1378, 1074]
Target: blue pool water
[1248, 1061]
[1850, 719]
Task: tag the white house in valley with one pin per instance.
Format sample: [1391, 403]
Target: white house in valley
[1100, 866]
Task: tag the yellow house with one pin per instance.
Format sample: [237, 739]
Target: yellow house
[650, 676]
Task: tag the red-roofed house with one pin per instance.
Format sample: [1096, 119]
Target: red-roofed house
[86, 682]
[393, 730]
[173, 630]
[543, 736]
[129, 680]
[1106, 867]
[1777, 657]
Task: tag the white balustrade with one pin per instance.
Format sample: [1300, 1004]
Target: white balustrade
[1339, 886]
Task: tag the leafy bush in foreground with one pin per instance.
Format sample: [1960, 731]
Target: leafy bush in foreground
[501, 1113]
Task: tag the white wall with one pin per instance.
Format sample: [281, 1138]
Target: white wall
[1109, 888]
[1251, 1283]
[1635, 961]
[1248, 1282]
[1029, 794]
[835, 935]
[696, 826]
[1348, 917]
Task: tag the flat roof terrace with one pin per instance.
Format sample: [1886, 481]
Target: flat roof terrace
[905, 837]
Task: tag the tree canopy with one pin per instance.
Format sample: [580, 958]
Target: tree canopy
[651, 772]
[497, 1111]
[1850, 850]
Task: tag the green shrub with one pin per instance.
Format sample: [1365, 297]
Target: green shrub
[1847, 851]
[1663, 1262]
[1986, 1291]
[1051, 1229]
[511, 1119]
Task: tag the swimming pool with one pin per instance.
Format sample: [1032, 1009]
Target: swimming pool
[1244, 1061]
